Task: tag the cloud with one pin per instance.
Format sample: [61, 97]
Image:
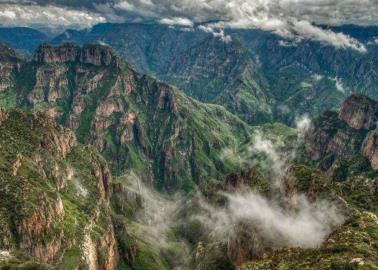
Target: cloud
[154, 222]
[333, 12]
[291, 19]
[306, 226]
[305, 29]
[284, 219]
[218, 33]
[47, 16]
[303, 123]
[294, 20]
[247, 219]
[276, 161]
[177, 21]
[339, 85]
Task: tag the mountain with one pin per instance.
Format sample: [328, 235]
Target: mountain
[8, 67]
[341, 161]
[202, 66]
[222, 73]
[22, 39]
[152, 134]
[135, 121]
[309, 71]
[267, 75]
[61, 207]
[106, 168]
[343, 143]
[54, 195]
[346, 248]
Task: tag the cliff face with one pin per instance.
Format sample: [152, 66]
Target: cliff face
[360, 112]
[205, 67]
[305, 77]
[133, 120]
[9, 65]
[54, 196]
[223, 73]
[338, 141]
[89, 54]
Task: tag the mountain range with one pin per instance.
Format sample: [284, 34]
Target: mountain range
[144, 146]
[256, 74]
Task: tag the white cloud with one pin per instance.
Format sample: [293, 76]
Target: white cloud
[219, 33]
[291, 19]
[177, 21]
[49, 16]
[339, 85]
[285, 43]
[294, 20]
[305, 29]
[281, 220]
[317, 77]
[303, 125]
[307, 225]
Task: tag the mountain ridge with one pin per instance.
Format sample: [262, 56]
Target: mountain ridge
[130, 118]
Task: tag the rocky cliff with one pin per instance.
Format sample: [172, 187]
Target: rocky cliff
[344, 142]
[302, 77]
[359, 112]
[89, 54]
[9, 65]
[132, 119]
[221, 72]
[205, 67]
[54, 197]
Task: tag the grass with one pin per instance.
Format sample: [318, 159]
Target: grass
[70, 259]
[33, 189]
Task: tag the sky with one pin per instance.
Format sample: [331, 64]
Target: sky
[291, 19]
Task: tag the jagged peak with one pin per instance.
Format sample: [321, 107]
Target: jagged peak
[95, 54]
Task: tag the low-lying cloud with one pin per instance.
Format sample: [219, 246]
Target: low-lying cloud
[307, 225]
[156, 219]
[248, 220]
[282, 219]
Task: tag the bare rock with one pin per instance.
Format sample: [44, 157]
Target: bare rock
[359, 112]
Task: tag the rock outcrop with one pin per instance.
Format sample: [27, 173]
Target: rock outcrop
[132, 119]
[370, 148]
[89, 54]
[54, 195]
[359, 112]
[336, 140]
[9, 65]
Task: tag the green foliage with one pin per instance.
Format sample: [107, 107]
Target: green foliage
[93, 100]
[352, 246]
[8, 98]
[70, 259]
[36, 179]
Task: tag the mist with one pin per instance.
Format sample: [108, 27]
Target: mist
[306, 226]
[281, 219]
[155, 221]
[248, 219]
